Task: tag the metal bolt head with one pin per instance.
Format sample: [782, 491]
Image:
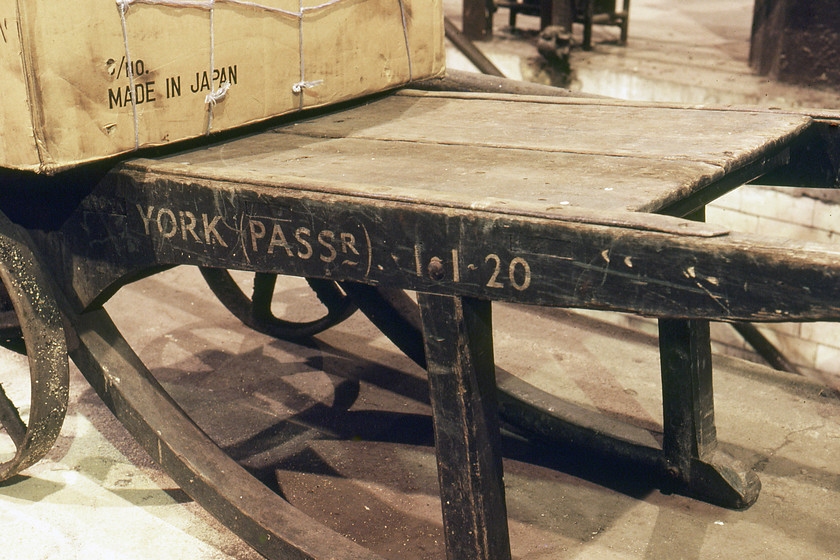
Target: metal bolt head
[435, 269]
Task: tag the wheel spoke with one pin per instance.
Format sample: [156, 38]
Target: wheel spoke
[262, 296]
[10, 418]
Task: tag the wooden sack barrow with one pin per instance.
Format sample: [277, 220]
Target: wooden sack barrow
[594, 204]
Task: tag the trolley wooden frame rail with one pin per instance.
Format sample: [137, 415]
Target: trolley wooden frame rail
[270, 203]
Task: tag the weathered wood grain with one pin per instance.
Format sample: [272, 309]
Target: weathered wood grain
[723, 138]
[459, 349]
[577, 153]
[468, 200]
[653, 265]
[509, 215]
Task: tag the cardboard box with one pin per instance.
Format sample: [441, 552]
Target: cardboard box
[71, 96]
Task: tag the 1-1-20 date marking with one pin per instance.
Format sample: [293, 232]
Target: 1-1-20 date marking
[516, 272]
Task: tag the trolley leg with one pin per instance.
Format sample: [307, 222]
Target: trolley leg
[625, 22]
[459, 350]
[589, 14]
[691, 464]
[689, 445]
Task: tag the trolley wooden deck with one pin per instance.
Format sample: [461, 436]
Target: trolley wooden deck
[465, 198]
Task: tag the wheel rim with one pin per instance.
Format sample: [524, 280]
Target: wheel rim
[41, 327]
[256, 312]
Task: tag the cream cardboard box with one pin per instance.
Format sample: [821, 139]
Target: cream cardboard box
[87, 79]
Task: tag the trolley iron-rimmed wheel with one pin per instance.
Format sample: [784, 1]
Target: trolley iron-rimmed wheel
[256, 312]
[32, 313]
[717, 480]
[711, 476]
[262, 518]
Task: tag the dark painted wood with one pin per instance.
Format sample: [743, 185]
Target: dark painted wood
[695, 463]
[477, 19]
[432, 192]
[765, 348]
[814, 159]
[459, 359]
[688, 401]
[796, 41]
[653, 265]
[30, 291]
[255, 513]
[255, 310]
[372, 194]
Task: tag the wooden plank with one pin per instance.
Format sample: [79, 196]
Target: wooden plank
[722, 138]
[814, 159]
[467, 174]
[655, 265]
[544, 155]
[413, 191]
[575, 98]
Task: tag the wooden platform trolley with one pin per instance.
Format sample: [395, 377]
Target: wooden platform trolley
[466, 198]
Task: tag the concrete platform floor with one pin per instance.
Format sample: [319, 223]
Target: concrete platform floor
[364, 463]
[687, 51]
